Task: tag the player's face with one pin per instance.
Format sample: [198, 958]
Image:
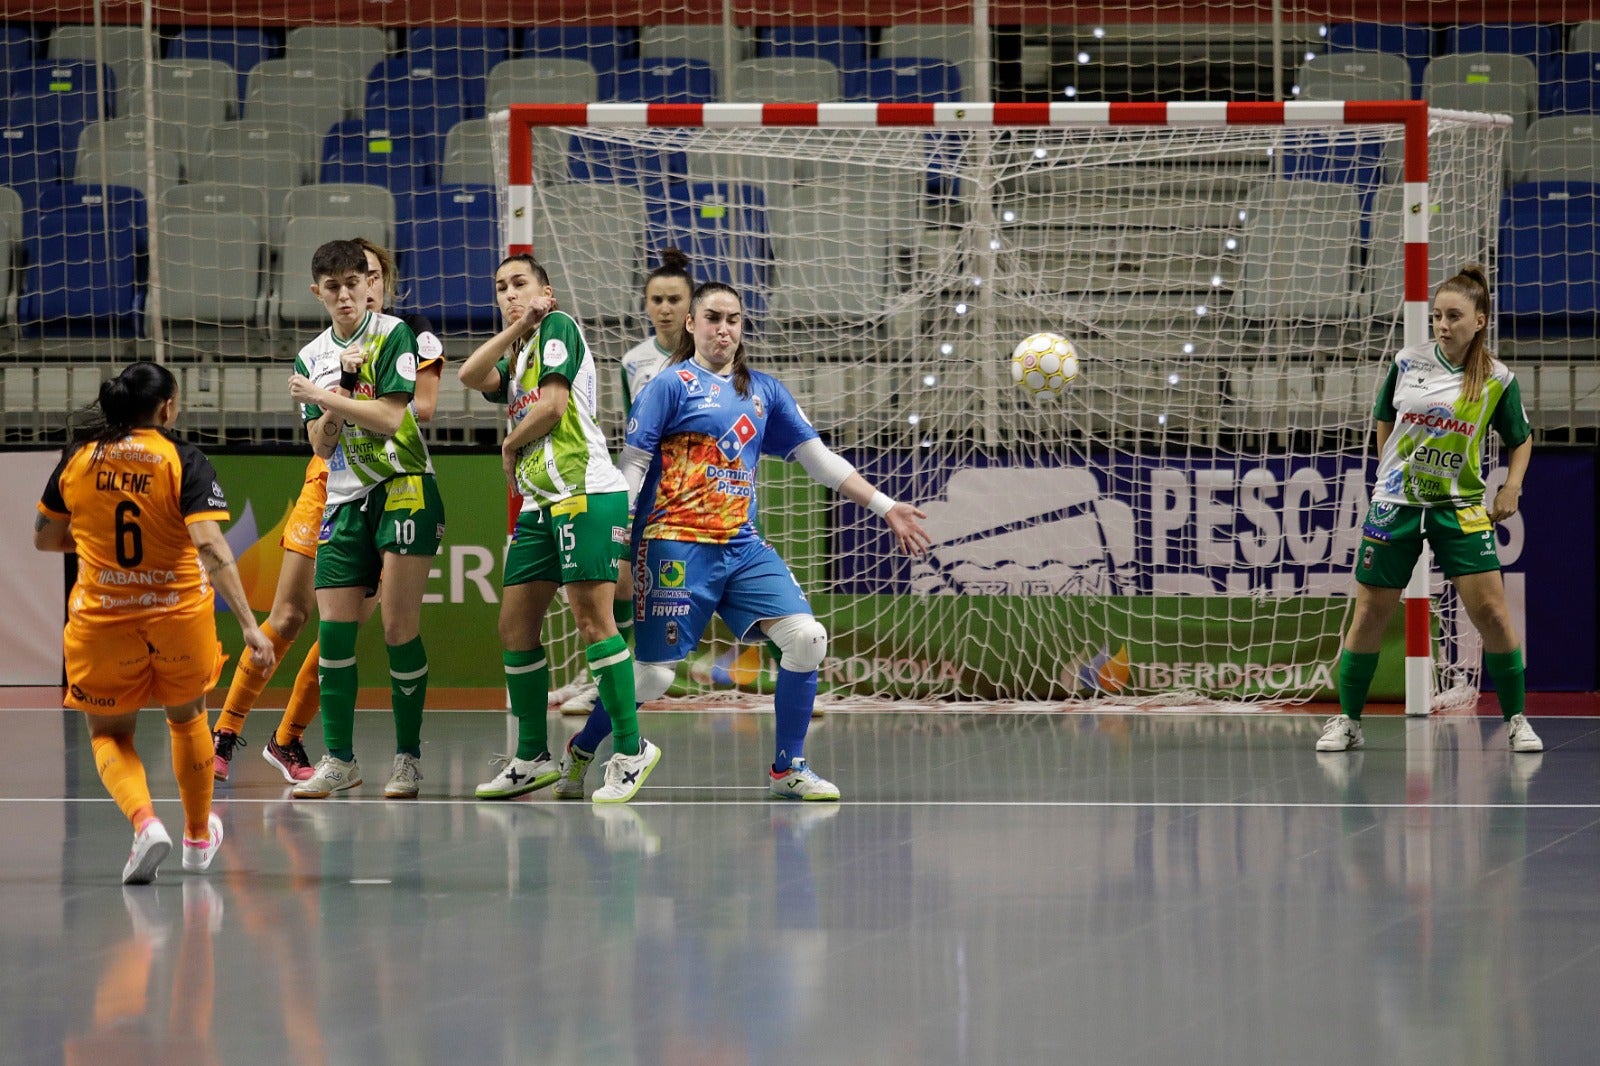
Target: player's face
[514, 286]
[666, 301]
[345, 298]
[377, 284]
[1455, 323]
[718, 326]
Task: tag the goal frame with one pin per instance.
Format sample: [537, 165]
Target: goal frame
[1411, 115]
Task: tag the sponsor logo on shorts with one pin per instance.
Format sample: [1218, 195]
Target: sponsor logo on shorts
[672, 632]
[619, 534]
[1373, 533]
[1383, 513]
[669, 610]
[93, 701]
[672, 574]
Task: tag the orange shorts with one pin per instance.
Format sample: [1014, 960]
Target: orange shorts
[305, 521]
[121, 667]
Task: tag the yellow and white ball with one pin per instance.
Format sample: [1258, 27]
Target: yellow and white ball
[1044, 363]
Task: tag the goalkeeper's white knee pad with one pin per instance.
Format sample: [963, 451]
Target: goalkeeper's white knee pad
[651, 680]
[803, 641]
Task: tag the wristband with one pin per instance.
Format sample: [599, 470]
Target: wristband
[348, 380]
[880, 504]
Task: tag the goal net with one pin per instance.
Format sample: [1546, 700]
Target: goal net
[1177, 524]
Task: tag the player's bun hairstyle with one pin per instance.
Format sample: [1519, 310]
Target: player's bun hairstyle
[126, 402]
[335, 259]
[1472, 283]
[391, 283]
[685, 350]
[674, 264]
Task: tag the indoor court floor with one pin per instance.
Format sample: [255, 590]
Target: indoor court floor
[1119, 888]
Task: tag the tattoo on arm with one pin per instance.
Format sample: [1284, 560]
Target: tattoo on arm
[214, 558]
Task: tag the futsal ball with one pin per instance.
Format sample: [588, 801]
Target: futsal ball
[1044, 363]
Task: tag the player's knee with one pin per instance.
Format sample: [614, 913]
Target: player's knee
[802, 640]
[288, 619]
[651, 680]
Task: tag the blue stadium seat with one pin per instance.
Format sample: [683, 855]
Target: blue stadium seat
[402, 97]
[357, 153]
[30, 161]
[722, 228]
[1550, 254]
[605, 48]
[1542, 44]
[62, 95]
[16, 48]
[240, 48]
[1577, 89]
[83, 262]
[465, 51]
[907, 81]
[449, 246]
[1411, 42]
[661, 81]
[843, 46]
[1340, 159]
[591, 159]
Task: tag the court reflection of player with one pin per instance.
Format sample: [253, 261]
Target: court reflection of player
[125, 1023]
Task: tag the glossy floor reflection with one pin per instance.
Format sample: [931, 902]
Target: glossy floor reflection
[1112, 888]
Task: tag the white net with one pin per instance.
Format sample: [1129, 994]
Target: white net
[1179, 522]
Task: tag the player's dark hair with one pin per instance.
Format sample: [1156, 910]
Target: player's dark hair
[335, 259]
[674, 265]
[685, 349]
[126, 402]
[540, 274]
[1472, 283]
[391, 283]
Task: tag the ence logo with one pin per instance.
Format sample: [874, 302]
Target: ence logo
[671, 575]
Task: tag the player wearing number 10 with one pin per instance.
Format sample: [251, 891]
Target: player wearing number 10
[143, 511]
[354, 384]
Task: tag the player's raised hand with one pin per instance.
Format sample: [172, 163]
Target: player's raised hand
[908, 532]
[303, 390]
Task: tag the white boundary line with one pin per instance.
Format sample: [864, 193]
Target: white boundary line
[788, 805]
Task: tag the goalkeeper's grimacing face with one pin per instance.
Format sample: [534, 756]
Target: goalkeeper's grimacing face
[717, 322]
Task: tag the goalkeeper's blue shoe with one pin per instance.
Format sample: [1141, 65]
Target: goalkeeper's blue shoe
[800, 782]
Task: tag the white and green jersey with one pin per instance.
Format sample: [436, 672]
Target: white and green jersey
[641, 363]
[1434, 457]
[364, 458]
[572, 460]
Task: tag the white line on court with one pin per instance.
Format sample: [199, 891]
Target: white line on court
[779, 804]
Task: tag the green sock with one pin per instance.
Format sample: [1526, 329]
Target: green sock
[1355, 677]
[408, 690]
[336, 672]
[622, 614]
[528, 682]
[1510, 681]
[612, 666]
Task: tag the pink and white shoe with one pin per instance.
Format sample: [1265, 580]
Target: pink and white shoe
[150, 845]
[197, 854]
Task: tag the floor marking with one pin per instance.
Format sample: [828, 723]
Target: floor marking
[371, 881]
[776, 804]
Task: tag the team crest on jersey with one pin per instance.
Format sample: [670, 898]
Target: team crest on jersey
[742, 432]
[716, 391]
[755, 402]
[691, 384]
[1383, 513]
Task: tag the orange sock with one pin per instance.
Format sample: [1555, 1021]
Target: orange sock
[123, 774]
[192, 752]
[123, 991]
[248, 681]
[303, 701]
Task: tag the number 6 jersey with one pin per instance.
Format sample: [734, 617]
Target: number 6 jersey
[130, 510]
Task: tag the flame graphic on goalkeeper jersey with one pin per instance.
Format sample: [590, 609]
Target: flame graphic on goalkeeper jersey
[1108, 672]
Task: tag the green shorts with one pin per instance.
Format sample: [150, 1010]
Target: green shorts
[404, 515]
[1392, 536]
[582, 538]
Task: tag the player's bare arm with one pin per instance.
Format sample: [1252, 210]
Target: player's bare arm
[217, 559]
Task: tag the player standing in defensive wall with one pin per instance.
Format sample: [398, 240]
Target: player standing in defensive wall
[295, 595]
[573, 529]
[143, 511]
[1436, 406]
[354, 384]
[695, 436]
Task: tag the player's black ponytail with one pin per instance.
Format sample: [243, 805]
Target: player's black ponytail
[127, 402]
[685, 350]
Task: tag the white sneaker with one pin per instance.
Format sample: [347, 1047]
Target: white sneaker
[144, 910]
[582, 701]
[1341, 733]
[332, 775]
[625, 774]
[1521, 736]
[197, 854]
[574, 765]
[202, 905]
[800, 782]
[519, 776]
[150, 845]
[405, 779]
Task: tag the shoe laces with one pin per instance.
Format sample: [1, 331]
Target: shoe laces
[1337, 722]
[407, 768]
[296, 752]
[224, 743]
[802, 769]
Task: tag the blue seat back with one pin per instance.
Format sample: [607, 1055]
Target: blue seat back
[906, 80]
[449, 246]
[661, 81]
[83, 262]
[843, 46]
[1550, 252]
[359, 153]
[722, 228]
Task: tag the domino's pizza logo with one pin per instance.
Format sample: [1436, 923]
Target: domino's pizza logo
[731, 443]
[691, 384]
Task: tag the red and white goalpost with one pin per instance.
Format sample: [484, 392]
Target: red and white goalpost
[1233, 275]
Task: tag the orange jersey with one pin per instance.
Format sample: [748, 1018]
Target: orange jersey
[129, 511]
[305, 519]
